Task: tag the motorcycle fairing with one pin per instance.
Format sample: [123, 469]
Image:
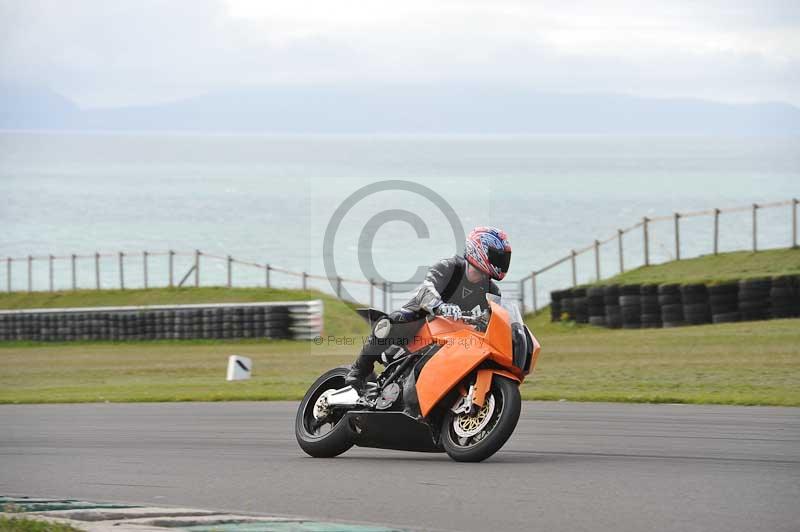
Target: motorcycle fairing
[447, 368]
[391, 430]
[483, 382]
[464, 349]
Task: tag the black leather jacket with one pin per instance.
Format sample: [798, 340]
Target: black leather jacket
[447, 282]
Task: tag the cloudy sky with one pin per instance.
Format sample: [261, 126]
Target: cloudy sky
[102, 53]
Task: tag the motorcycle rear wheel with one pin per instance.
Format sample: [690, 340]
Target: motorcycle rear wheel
[506, 409]
[317, 442]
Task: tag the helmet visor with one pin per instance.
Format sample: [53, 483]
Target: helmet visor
[500, 259]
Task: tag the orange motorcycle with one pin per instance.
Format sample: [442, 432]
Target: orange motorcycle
[455, 388]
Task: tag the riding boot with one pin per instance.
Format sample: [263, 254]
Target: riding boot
[359, 371]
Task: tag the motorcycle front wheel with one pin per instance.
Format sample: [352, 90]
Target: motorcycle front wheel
[475, 438]
[331, 437]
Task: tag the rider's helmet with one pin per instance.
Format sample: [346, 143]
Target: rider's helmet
[488, 249]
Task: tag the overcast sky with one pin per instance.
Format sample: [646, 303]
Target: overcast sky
[108, 53]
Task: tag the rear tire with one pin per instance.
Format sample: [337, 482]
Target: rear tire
[503, 421]
[316, 443]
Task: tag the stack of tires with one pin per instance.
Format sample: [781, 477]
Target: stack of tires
[669, 301]
[628, 306]
[754, 299]
[785, 297]
[567, 307]
[580, 305]
[612, 309]
[723, 300]
[630, 302]
[556, 297]
[596, 306]
[651, 311]
[696, 310]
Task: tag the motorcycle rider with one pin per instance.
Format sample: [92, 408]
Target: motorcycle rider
[451, 287]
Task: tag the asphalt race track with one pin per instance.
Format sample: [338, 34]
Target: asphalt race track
[570, 466]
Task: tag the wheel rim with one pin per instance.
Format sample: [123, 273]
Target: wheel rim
[312, 427]
[467, 431]
[466, 426]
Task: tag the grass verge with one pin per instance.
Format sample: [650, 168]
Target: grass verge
[753, 363]
[24, 524]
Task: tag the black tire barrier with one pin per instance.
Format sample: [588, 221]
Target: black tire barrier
[754, 299]
[611, 295]
[297, 320]
[613, 316]
[630, 303]
[650, 307]
[556, 307]
[596, 306]
[567, 308]
[599, 321]
[723, 299]
[785, 296]
[696, 309]
[580, 305]
[673, 305]
[727, 317]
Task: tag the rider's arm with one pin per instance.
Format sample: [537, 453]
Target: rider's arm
[428, 295]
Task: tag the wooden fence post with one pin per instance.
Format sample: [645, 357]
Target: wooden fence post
[620, 232]
[338, 287]
[677, 237]
[266, 274]
[371, 293]
[171, 268]
[645, 220]
[196, 268]
[74, 275]
[97, 270]
[50, 270]
[8, 273]
[230, 267]
[533, 288]
[30, 273]
[597, 259]
[305, 280]
[716, 231]
[755, 227]
[385, 293]
[794, 222]
[144, 267]
[574, 274]
[121, 271]
[522, 295]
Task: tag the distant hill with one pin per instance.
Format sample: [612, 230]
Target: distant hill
[32, 107]
[407, 109]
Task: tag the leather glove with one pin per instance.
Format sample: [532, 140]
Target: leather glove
[448, 310]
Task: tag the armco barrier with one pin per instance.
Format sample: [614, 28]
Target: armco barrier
[301, 320]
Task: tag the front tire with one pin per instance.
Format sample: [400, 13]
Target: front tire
[458, 439]
[332, 438]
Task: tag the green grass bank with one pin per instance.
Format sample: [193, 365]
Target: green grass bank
[715, 268]
[750, 363]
